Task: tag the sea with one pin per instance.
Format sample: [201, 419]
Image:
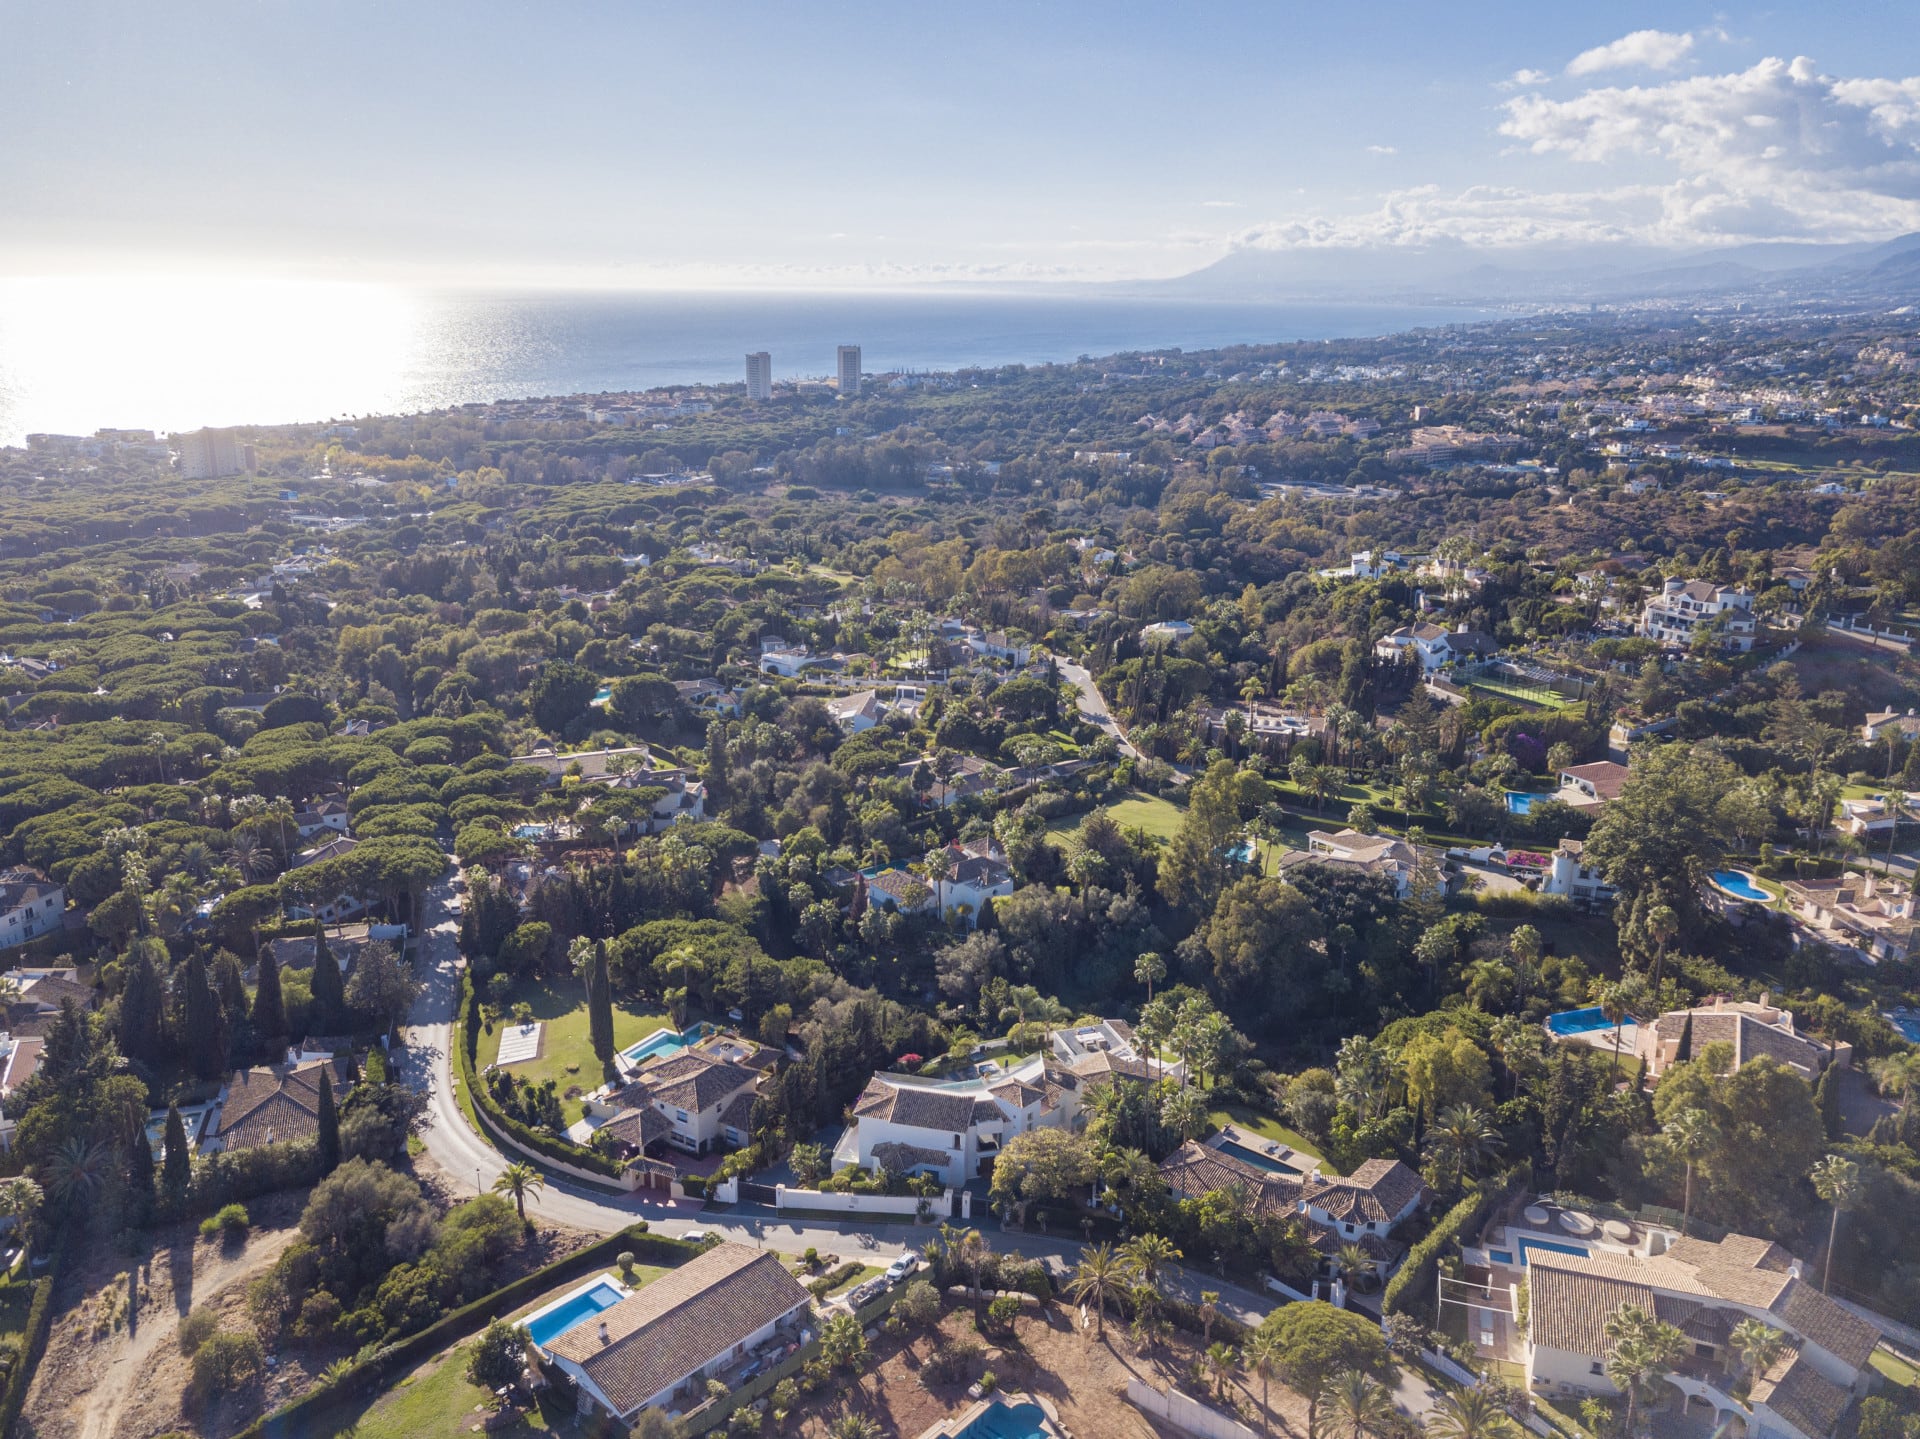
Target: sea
[172, 354]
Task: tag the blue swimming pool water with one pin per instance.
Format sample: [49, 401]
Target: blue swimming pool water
[1501, 1256]
[1736, 883]
[664, 1041]
[1907, 1024]
[1006, 1421]
[1580, 1021]
[550, 1326]
[1242, 853]
[1256, 1158]
[1530, 1244]
[1521, 803]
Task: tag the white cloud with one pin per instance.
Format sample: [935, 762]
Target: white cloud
[1383, 149]
[1522, 79]
[1642, 50]
[1778, 150]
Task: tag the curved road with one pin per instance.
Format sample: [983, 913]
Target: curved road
[425, 1062]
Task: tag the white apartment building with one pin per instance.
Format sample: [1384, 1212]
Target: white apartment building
[760, 376]
[213, 454]
[30, 905]
[1686, 608]
[848, 374]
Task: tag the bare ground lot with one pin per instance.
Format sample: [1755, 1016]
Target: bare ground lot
[127, 1379]
[1083, 1378]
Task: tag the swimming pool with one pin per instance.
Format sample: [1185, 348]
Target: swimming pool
[665, 1041]
[1526, 1245]
[1740, 885]
[1907, 1022]
[1006, 1421]
[1256, 1158]
[1521, 803]
[1580, 1021]
[549, 1324]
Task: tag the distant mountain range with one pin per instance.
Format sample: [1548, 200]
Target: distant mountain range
[1861, 273]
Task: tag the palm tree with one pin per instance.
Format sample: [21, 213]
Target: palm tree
[940, 870]
[1146, 1255]
[1691, 1135]
[1261, 1355]
[1614, 998]
[1644, 1349]
[519, 1179]
[1099, 1276]
[1758, 1344]
[77, 1170]
[1353, 1265]
[1352, 1405]
[247, 855]
[1221, 1360]
[1471, 1414]
[1837, 1181]
[1148, 968]
[855, 1426]
[971, 1249]
[1898, 1074]
[1462, 1138]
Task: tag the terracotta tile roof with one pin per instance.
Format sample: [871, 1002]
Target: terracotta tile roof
[1376, 1192]
[680, 1323]
[22, 1063]
[694, 1082]
[1193, 1170]
[639, 1127]
[1800, 1394]
[1606, 777]
[739, 1111]
[1567, 1306]
[1819, 1320]
[276, 1103]
[902, 1157]
[916, 1106]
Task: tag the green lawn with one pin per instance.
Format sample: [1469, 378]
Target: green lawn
[435, 1401]
[566, 1054]
[1265, 1126]
[1157, 816]
[1892, 1367]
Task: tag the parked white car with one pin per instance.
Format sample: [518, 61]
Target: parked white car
[902, 1267]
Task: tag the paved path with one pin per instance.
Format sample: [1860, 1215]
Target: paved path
[426, 1063]
[1092, 707]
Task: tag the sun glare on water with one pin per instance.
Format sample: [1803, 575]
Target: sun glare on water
[173, 353]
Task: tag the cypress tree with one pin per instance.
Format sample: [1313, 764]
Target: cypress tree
[176, 1170]
[1826, 1098]
[142, 1006]
[1684, 1050]
[600, 1007]
[140, 1177]
[353, 1068]
[329, 1138]
[203, 1021]
[329, 995]
[269, 1011]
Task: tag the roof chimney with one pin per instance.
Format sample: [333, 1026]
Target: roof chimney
[606, 1336]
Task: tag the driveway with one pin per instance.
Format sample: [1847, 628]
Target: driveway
[1093, 708]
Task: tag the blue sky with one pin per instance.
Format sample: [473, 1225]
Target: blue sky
[856, 143]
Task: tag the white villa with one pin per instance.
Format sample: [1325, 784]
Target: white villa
[1590, 786]
[951, 1128]
[1704, 1289]
[1686, 608]
[1394, 859]
[1869, 915]
[1569, 874]
[30, 905]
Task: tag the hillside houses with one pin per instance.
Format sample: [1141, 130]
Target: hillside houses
[272, 1104]
[1685, 610]
[31, 905]
[1392, 859]
[1751, 1030]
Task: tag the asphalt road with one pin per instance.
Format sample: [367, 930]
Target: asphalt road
[426, 1064]
[1092, 706]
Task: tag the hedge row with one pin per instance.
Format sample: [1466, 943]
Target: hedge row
[367, 1377]
[559, 1150]
[1415, 1277]
[32, 1345]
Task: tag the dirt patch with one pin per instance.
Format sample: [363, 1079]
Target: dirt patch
[1084, 1378]
[113, 1367]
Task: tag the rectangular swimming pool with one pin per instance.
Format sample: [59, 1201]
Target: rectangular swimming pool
[1006, 1421]
[665, 1041]
[1581, 1021]
[574, 1310]
[1526, 1246]
[1256, 1158]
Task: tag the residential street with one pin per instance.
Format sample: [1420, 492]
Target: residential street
[1092, 707]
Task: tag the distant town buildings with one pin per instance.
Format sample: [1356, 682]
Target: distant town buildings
[849, 371]
[214, 454]
[760, 376]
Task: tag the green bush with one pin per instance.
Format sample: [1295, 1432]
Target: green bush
[33, 1343]
[224, 1362]
[196, 1329]
[1415, 1278]
[229, 1223]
